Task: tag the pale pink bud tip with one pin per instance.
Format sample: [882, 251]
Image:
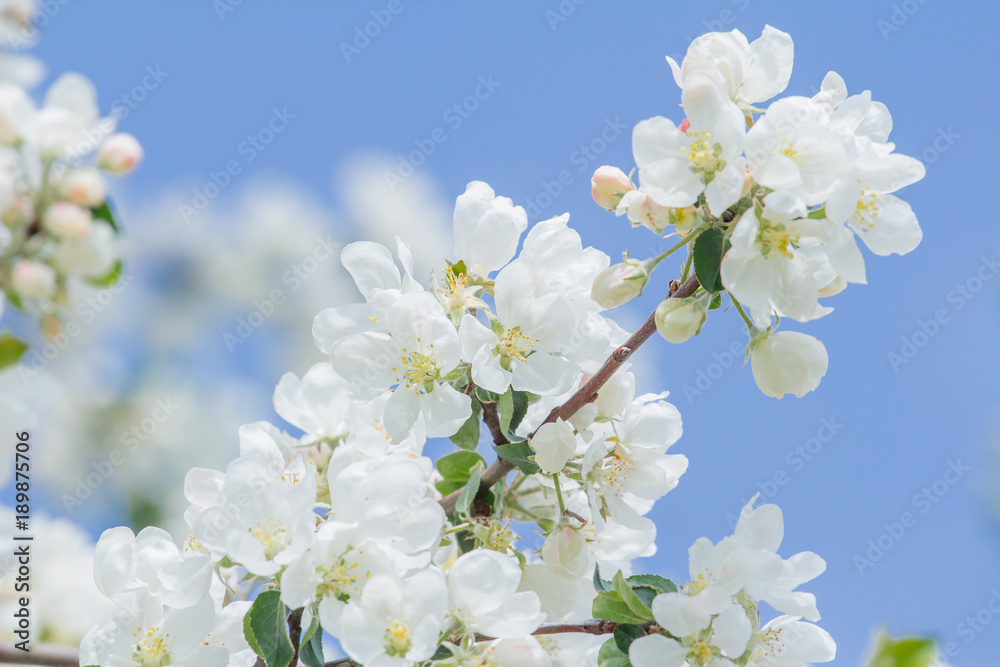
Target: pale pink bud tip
[119, 154]
[608, 186]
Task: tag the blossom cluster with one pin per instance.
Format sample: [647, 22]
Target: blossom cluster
[57, 225]
[346, 524]
[350, 529]
[781, 194]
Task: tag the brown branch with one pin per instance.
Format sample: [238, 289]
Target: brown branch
[586, 394]
[492, 420]
[295, 634]
[45, 655]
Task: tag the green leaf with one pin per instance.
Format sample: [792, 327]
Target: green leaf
[108, 279]
[716, 301]
[634, 602]
[522, 400]
[458, 268]
[468, 494]
[456, 469]
[661, 584]
[11, 349]
[600, 585]
[104, 212]
[485, 396]
[311, 648]
[266, 630]
[506, 410]
[709, 248]
[610, 607]
[468, 436]
[441, 653]
[313, 626]
[518, 453]
[611, 656]
[625, 634]
[15, 300]
[907, 652]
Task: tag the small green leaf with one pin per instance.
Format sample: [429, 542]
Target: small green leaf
[441, 653]
[522, 400]
[311, 648]
[716, 301]
[104, 212]
[15, 300]
[468, 436]
[485, 396]
[313, 626]
[709, 248]
[612, 656]
[518, 453]
[600, 585]
[11, 349]
[506, 409]
[610, 607]
[625, 634]
[266, 630]
[458, 268]
[108, 279]
[468, 494]
[456, 468]
[634, 602]
[661, 584]
[906, 652]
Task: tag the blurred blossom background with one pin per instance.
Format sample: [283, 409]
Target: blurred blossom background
[276, 132]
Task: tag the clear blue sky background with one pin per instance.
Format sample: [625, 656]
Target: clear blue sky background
[900, 429]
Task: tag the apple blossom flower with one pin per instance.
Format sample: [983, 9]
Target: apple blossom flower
[487, 229]
[787, 362]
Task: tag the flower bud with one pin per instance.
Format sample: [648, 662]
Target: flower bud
[679, 319]
[83, 187]
[119, 154]
[608, 185]
[565, 552]
[554, 445]
[620, 283]
[33, 279]
[20, 211]
[684, 126]
[787, 362]
[67, 221]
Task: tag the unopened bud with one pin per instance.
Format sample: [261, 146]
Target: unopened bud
[20, 211]
[608, 186]
[67, 221]
[685, 124]
[620, 283]
[33, 279]
[119, 154]
[83, 187]
[51, 326]
[565, 552]
[679, 319]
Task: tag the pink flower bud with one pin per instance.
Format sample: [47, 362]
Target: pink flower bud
[67, 221]
[20, 211]
[608, 186]
[83, 187]
[685, 124]
[33, 279]
[119, 154]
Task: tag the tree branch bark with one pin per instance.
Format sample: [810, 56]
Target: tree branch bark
[45, 655]
[586, 394]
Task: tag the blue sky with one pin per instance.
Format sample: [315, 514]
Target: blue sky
[560, 86]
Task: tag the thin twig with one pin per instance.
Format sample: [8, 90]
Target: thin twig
[586, 394]
[44, 655]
